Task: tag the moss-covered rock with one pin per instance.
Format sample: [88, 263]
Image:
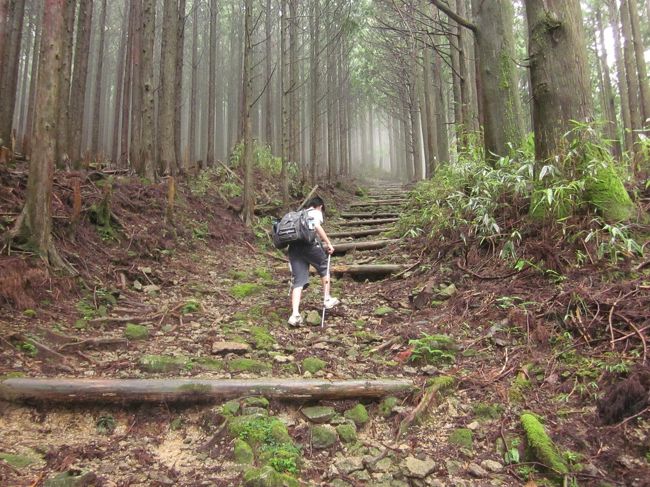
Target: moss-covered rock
[248, 365]
[347, 432]
[262, 339]
[244, 290]
[207, 363]
[162, 363]
[230, 408]
[243, 453]
[18, 461]
[256, 401]
[267, 477]
[71, 478]
[358, 414]
[540, 445]
[136, 332]
[323, 436]
[606, 192]
[387, 406]
[313, 364]
[313, 318]
[462, 437]
[319, 414]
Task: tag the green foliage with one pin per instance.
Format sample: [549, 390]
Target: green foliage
[262, 339]
[28, 349]
[106, 424]
[433, 349]
[247, 365]
[190, 306]
[263, 160]
[462, 437]
[136, 332]
[244, 290]
[200, 230]
[231, 190]
[17, 461]
[313, 364]
[29, 313]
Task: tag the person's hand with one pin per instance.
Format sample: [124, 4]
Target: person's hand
[330, 249]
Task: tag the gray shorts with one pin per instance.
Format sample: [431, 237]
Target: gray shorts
[300, 257]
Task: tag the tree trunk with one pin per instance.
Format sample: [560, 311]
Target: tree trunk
[639, 53]
[315, 90]
[560, 83]
[268, 94]
[195, 390]
[626, 115]
[178, 86]
[119, 84]
[4, 26]
[294, 84]
[631, 74]
[503, 119]
[167, 99]
[135, 147]
[212, 83]
[331, 97]
[285, 87]
[358, 223]
[429, 111]
[343, 248]
[125, 140]
[31, 100]
[194, 105]
[24, 83]
[34, 225]
[441, 111]
[611, 129]
[99, 77]
[249, 189]
[465, 73]
[10, 68]
[148, 117]
[79, 79]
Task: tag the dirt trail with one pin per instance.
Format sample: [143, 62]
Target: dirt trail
[192, 310]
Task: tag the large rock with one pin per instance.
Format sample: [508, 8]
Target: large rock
[358, 414]
[347, 465]
[243, 453]
[347, 432]
[222, 348]
[323, 436]
[319, 414]
[416, 468]
[268, 477]
[71, 479]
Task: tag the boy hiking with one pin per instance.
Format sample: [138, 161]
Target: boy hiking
[302, 254]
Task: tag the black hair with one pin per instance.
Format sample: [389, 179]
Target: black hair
[314, 202]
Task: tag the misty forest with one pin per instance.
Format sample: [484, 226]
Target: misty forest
[276, 243]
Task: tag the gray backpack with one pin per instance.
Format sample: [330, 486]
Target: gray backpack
[293, 227]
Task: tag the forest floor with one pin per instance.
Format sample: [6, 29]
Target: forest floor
[168, 297]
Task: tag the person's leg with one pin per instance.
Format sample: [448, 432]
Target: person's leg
[296, 293]
[300, 274]
[326, 287]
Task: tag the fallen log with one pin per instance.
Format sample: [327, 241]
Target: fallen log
[370, 270]
[342, 248]
[369, 215]
[391, 201]
[359, 233]
[194, 390]
[360, 223]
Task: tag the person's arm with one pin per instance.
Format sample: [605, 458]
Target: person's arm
[325, 239]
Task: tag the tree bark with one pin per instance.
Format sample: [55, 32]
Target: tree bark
[639, 53]
[441, 111]
[34, 225]
[195, 390]
[194, 105]
[80, 79]
[147, 89]
[294, 84]
[429, 110]
[611, 128]
[125, 113]
[31, 100]
[285, 87]
[99, 77]
[166, 106]
[249, 189]
[178, 86]
[10, 68]
[4, 26]
[358, 223]
[631, 74]
[342, 248]
[212, 84]
[136, 41]
[315, 90]
[120, 80]
[268, 94]
[359, 233]
[628, 139]
[560, 82]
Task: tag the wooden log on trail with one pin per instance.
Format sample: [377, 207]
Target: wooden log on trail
[370, 270]
[194, 390]
[342, 248]
[378, 202]
[368, 215]
[361, 223]
[359, 233]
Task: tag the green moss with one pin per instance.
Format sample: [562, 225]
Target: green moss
[267, 477]
[195, 388]
[487, 411]
[540, 444]
[18, 461]
[313, 364]
[208, 363]
[442, 383]
[383, 311]
[230, 408]
[237, 275]
[606, 192]
[387, 406]
[262, 339]
[520, 385]
[256, 401]
[162, 363]
[263, 274]
[244, 290]
[347, 432]
[190, 306]
[29, 313]
[243, 453]
[248, 365]
[136, 332]
[462, 437]
[323, 436]
[358, 414]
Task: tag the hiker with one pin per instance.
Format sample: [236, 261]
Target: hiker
[302, 254]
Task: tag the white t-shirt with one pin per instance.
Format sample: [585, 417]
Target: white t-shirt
[315, 216]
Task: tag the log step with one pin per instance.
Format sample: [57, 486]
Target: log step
[379, 202]
[361, 223]
[368, 215]
[359, 233]
[370, 270]
[194, 390]
[342, 248]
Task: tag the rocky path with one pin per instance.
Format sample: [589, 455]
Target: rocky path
[223, 315]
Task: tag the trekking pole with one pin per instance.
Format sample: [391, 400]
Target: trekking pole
[322, 320]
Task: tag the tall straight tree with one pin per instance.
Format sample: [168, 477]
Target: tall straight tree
[194, 96]
[611, 129]
[639, 54]
[10, 67]
[79, 79]
[31, 100]
[315, 90]
[147, 88]
[249, 190]
[268, 59]
[560, 83]
[178, 84]
[63, 125]
[99, 77]
[166, 104]
[631, 74]
[621, 79]
[4, 25]
[120, 80]
[285, 87]
[212, 83]
[34, 225]
[135, 146]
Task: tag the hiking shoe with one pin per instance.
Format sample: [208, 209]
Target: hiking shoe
[331, 302]
[295, 320]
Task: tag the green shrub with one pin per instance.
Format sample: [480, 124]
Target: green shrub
[433, 349]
